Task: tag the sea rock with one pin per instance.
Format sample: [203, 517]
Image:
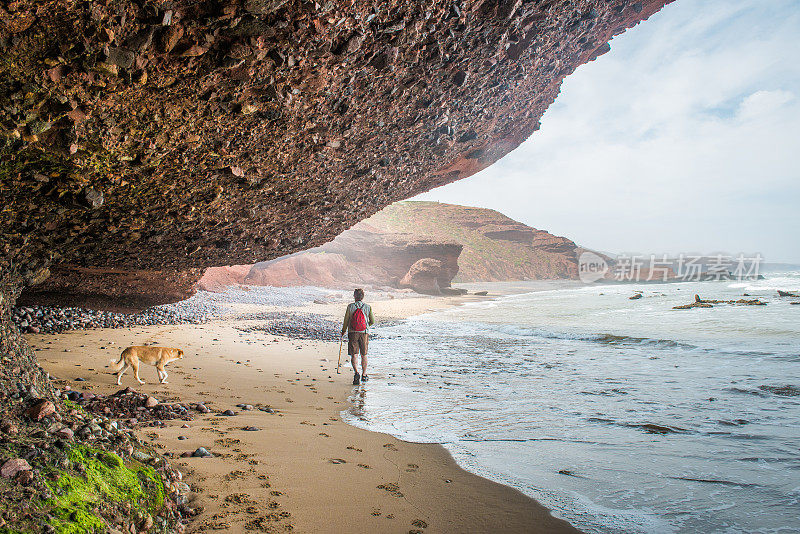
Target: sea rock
[141, 456]
[424, 276]
[783, 391]
[40, 409]
[24, 477]
[65, 433]
[228, 413]
[202, 452]
[151, 402]
[9, 427]
[11, 467]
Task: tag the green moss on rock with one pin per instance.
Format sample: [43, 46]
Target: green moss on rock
[106, 481]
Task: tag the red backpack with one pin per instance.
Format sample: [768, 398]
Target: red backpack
[358, 321]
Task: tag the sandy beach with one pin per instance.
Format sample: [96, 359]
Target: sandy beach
[300, 468]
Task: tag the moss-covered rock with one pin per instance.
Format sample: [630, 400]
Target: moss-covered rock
[105, 482]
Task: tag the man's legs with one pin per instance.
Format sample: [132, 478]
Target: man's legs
[363, 349]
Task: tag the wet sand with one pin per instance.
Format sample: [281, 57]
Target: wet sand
[303, 469]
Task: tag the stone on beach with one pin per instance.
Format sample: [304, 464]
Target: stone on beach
[40, 409]
[202, 452]
[14, 466]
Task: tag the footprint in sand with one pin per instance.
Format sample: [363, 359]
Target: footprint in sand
[376, 513]
[390, 446]
[324, 435]
[240, 498]
[351, 448]
[364, 466]
[337, 461]
[419, 523]
[392, 489]
[412, 468]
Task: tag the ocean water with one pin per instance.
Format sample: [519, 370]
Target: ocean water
[619, 415]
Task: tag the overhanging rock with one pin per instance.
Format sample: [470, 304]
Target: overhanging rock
[172, 135]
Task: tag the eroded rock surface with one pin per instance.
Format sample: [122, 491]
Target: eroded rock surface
[171, 135]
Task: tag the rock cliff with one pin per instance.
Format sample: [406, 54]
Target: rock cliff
[420, 245]
[496, 248]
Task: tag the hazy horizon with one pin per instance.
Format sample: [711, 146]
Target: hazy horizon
[682, 139]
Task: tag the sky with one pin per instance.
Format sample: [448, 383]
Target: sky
[685, 138]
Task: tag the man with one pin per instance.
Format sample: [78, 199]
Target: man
[357, 320]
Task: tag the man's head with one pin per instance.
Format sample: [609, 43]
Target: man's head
[358, 294]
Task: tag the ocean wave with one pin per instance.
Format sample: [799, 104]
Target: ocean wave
[784, 283]
[604, 338]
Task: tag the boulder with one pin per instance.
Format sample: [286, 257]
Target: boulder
[424, 276]
[10, 468]
[40, 409]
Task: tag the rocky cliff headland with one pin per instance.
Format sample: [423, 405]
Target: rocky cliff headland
[419, 245]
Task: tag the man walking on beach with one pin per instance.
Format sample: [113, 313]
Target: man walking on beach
[357, 320]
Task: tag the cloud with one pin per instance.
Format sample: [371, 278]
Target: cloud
[683, 138]
[762, 103]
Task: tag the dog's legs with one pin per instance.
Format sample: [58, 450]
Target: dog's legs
[162, 375]
[119, 375]
[135, 366]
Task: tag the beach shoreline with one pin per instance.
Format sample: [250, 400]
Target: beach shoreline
[302, 468]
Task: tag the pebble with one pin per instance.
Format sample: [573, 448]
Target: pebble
[202, 307]
[251, 429]
[140, 456]
[228, 413]
[202, 452]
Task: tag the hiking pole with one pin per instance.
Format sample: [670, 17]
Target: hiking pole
[339, 363]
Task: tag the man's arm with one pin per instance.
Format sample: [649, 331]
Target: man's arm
[346, 320]
[371, 317]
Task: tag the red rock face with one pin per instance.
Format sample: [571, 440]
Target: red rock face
[362, 255]
[165, 136]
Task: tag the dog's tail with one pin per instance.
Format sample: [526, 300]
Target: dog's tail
[117, 364]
